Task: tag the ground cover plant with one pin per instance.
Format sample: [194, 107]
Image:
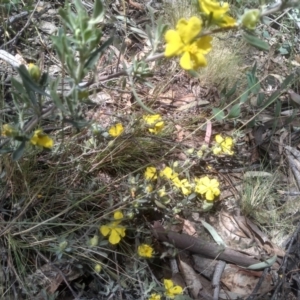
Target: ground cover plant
[149, 151]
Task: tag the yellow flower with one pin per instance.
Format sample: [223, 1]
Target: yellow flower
[116, 130]
[150, 173]
[171, 289]
[218, 12]
[250, 18]
[145, 250]
[158, 127]
[168, 173]
[98, 268]
[181, 42]
[155, 123]
[207, 187]
[114, 230]
[7, 130]
[186, 187]
[223, 145]
[41, 139]
[183, 185]
[155, 297]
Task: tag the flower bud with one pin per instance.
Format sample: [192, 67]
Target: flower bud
[94, 241]
[34, 71]
[250, 18]
[63, 245]
[8, 131]
[98, 268]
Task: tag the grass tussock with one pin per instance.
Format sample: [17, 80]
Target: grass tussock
[223, 62]
[262, 203]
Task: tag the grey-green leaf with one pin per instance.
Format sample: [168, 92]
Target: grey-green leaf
[234, 112]
[256, 42]
[18, 153]
[218, 114]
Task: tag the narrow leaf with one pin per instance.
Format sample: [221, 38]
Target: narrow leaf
[234, 112]
[95, 55]
[98, 9]
[28, 82]
[218, 114]
[287, 81]
[244, 97]
[18, 153]
[256, 42]
[213, 233]
[264, 264]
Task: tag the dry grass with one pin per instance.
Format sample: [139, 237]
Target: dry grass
[223, 63]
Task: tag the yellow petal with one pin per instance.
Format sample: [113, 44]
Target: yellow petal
[168, 283]
[189, 29]
[185, 61]
[114, 237]
[209, 195]
[152, 119]
[205, 181]
[150, 173]
[120, 230]
[214, 7]
[227, 21]
[204, 44]
[176, 290]
[41, 139]
[219, 139]
[174, 44]
[105, 230]
[199, 60]
[217, 150]
[201, 189]
[216, 191]
[214, 183]
[118, 215]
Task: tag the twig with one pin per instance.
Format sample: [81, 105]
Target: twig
[284, 263]
[219, 268]
[25, 26]
[13, 19]
[253, 295]
[59, 271]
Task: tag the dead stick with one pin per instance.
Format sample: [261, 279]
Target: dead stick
[204, 248]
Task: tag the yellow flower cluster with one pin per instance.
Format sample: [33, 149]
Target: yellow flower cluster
[171, 289]
[223, 145]
[208, 188]
[154, 122]
[181, 184]
[114, 229]
[217, 12]
[185, 40]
